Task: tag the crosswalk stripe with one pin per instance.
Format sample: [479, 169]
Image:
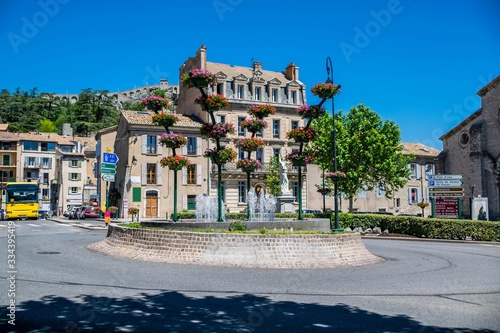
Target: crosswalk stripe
[34, 225]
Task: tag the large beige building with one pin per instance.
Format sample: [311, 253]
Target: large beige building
[472, 149]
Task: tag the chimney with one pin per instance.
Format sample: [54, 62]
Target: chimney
[257, 66]
[292, 72]
[201, 57]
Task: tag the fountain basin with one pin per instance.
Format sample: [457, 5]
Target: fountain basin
[236, 250]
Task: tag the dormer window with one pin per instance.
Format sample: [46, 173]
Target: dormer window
[220, 89]
[293, 97]
[274, 95]
[240, 91]
[257, 93]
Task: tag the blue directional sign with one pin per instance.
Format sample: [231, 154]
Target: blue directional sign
[109, 158]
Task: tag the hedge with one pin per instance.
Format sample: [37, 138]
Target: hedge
[424, 227]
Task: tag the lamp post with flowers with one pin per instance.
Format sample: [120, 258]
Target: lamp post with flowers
[202, 79]
[159, 104]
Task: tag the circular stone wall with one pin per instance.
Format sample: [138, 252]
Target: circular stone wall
[236, 250]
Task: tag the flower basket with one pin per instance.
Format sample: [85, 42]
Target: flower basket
[324, 191]
[302, 134]
[155, 103]
[199, 78]
[217, 131]
[248, 165]
[325, 90]
[301, 160]
[306, 111]
[253, 125]
[113, 209]
[222, 156]
[335, 176]
[261, 111]
[165, 119]
[212, 102]
[423, 204]
[174, 162]
[250, 144]
[133, 211]
[173, 140]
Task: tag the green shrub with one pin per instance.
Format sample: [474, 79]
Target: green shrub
[237, 226]
[263, 231]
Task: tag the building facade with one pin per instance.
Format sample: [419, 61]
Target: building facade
[472, 149]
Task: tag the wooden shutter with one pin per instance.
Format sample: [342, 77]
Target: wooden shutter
[184, 149]
[409, 196]
[144, 171]
[159, 173]
[417, 168]
[184, 176]
[198, 146]
[144, 144]
[198, 174]
[184, 201]
[159, 147]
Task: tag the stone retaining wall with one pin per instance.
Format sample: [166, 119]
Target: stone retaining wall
[236, 250]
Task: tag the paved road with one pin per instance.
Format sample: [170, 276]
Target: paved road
[422, 287]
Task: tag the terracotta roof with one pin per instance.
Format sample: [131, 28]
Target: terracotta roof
[88, 142]
[492, 84]
[46, 137]
[232, 71]
[4, 127]
[419, 149]
[8, 136]
[144, 118]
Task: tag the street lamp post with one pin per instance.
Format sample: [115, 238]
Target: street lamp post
[329, 68]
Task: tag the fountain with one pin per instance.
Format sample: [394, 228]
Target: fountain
[206, 209]
[266, 205]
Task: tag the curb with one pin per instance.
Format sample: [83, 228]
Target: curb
[411, 239]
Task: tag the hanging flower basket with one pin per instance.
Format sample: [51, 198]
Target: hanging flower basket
[302, 134]
[248, 165]
[423, 204]
[199, 78]
[325, 90]
[173, 140]
[335, 176]
[306, 111]
[222, 156]
[174, 162]
[155, 103]
[253, 125]
[217, 131]
[301, 160]
[261, 111]
[165, 119]
[324, 191]
[249, 144]
[212, 102]
[113, 209]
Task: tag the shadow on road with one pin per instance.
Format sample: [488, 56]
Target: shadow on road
[175, 312]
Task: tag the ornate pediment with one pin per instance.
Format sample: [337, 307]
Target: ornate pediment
[293, 84]
[274, 81]
[221, 75]
[240, 77]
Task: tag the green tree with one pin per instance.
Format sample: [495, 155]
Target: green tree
[273, 177]
[368, 151]
[47, 126]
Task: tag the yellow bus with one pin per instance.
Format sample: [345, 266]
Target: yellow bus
[21, 200]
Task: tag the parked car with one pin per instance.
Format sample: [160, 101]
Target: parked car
[309, 211]
[43, 214]
[90, 212]
[77, 213]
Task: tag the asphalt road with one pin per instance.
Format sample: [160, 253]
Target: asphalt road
[60, 286]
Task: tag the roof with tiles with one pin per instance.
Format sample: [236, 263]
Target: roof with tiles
[419, 149]
[88, 142]
[232, 71]
[46, 137]
[4, 127]
[8, 136]
[144, 118]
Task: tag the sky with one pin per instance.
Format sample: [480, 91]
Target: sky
[417, 63]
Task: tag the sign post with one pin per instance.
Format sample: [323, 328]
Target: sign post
[108, 171]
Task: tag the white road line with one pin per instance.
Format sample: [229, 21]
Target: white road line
[34, 225]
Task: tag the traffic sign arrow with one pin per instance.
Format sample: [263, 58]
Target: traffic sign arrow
[108, 178]
[439, 177]
[110, 158]
[445, 189]
[108, 166]
[445, 183]
[446, 194]
[108, 171]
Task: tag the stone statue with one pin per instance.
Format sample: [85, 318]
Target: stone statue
[283, 176]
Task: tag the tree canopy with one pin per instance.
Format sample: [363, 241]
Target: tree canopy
[368, 150]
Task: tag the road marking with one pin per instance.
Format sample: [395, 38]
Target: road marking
[34, 225]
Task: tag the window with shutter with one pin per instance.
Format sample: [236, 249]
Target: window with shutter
[198, 174]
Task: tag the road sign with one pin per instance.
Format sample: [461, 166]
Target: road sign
[109, 158]
[446, 189]
[446, 194]
[439, 177]
[108, 178]
[108, 171]
[446, 208]
[108, 166]
[445, 183]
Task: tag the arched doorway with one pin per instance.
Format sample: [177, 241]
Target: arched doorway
[151, 203]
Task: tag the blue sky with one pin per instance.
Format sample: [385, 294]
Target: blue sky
[417, 63]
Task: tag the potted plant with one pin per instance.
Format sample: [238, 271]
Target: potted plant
[301, 159]
[302, 134]
[199, 78]
[253, 125]
[325, 90]
[323, 190]
[261, 111]
[335, 176]
[217, 131]
[165, 119]
[313, 112]
[222, 156]
[212, 102]
[250, 144]
[173, 140]
[248, 165]
[155, 103]
[174, 162]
